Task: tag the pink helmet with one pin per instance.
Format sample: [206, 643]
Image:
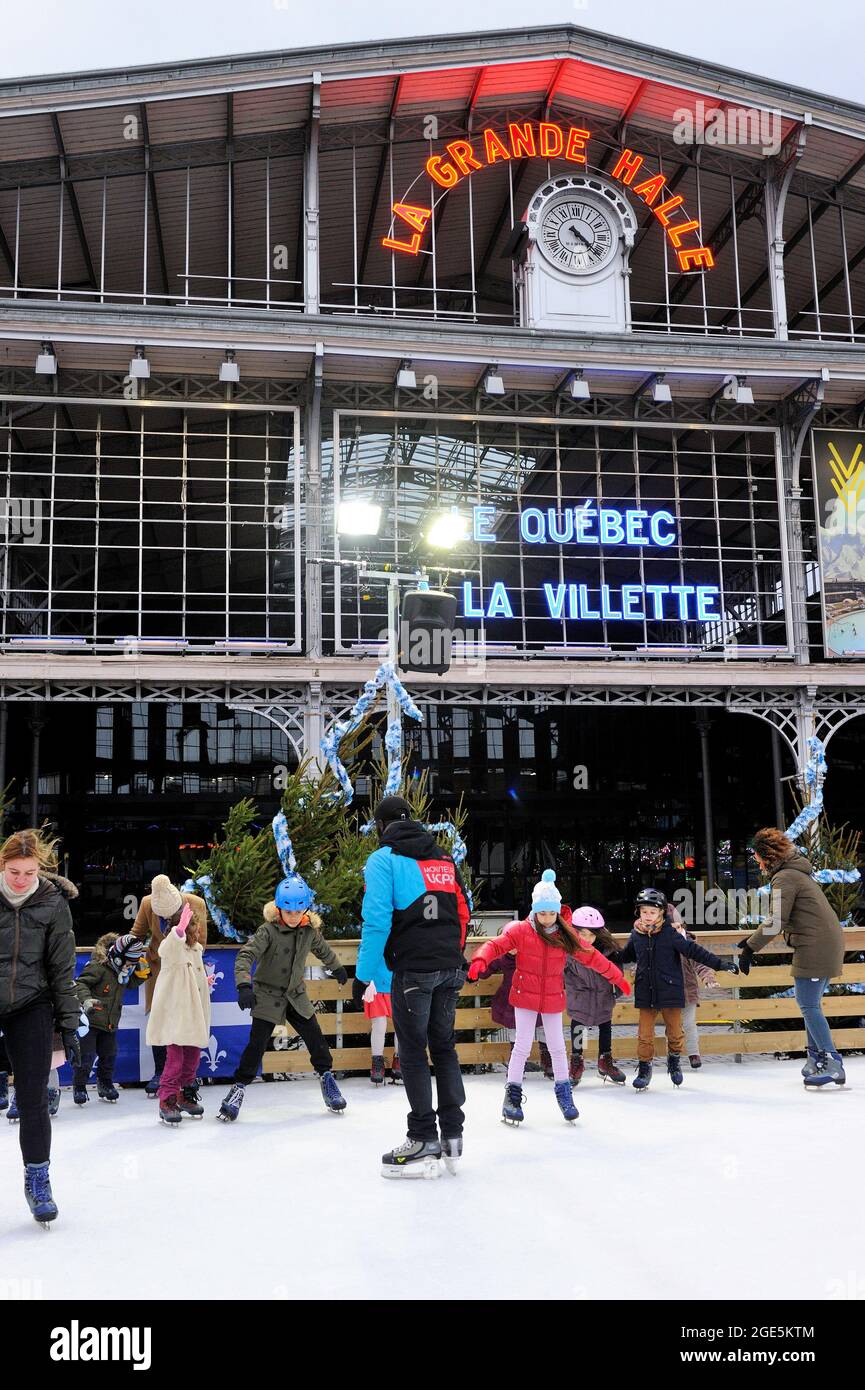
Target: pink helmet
[588, 917]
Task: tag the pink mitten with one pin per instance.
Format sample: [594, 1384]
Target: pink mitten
[185, 919]
[369, 993]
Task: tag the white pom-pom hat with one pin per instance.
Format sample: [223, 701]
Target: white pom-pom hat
[545, 895]
[165, 899]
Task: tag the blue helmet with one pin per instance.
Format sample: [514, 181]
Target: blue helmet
[294, 894]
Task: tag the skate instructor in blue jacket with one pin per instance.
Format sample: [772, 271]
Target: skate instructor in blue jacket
[415, 919]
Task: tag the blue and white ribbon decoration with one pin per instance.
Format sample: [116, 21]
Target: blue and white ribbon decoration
[221, 918]
[815, 774]
[284, 847]
[385, 675]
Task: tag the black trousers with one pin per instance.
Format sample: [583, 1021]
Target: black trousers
[28, 1035]
[605, 1037]
[424, 1005]
[159, 1055]
[101, 1044]
[262, 1031]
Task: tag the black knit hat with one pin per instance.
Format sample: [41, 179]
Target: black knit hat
[392, 808]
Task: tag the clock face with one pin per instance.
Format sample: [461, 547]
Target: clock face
[577, 236]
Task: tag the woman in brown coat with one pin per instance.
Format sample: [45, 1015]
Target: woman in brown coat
[801, 912]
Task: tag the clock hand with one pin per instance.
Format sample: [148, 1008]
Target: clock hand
[577, 233]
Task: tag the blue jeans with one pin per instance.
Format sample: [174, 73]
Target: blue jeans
[809, 993]
[423, 1006]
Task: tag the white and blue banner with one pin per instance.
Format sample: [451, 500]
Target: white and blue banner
[229, 1025]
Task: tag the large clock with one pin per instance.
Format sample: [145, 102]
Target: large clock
[577, 235]
[573, 261]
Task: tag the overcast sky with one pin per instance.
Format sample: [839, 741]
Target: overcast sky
[806, 43]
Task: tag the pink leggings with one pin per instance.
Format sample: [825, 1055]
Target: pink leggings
[525, 1020]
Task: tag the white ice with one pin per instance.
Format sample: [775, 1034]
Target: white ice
[739, 1186]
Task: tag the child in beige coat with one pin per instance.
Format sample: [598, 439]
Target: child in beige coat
[180, 1019]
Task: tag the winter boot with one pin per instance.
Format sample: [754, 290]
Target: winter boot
[829, 1068]
[333, 1097]
[151, 1090]
[576, 1068]
[546, 1061]
[674, 1068]
[4, 1090]
[810, 1066]
[695, 1061]
[565, 1100]
[643, 1077]
[395, 1071]
[168, 1111]
[376, 1071]
[608, 1069]
[37, 1190]
[107, 1091]
[188, 1103]
[12, 1114]
[230, 1107]
[413, 1159]
[79, 1095]
[512, 1110]
[53, 1100]
[452, 1149]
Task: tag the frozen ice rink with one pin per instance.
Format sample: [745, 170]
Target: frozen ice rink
[698, 1194]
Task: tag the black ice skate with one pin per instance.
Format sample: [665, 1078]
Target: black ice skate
[333, 1097]
[230, 1107]
[79, 1095]
[565, 1100]
[395, 1071]
[512, 1110]
[53, 1100]
[4, 1090]
[188, 1103]
[829, 1068]
[608, 1069]
[674, 1068]
[107, 1091]
[643, 1077]
[413, 1159]
[376, 1071]
[37, 1190]
[168, 1111]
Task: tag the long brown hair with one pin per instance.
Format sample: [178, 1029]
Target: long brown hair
[564, 937]
[30, 844]
[604, 941]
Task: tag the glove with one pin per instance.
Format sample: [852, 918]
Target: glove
[478, 970]
[340, 975]
[730, 966]
[745, 958]
[357, 991]
[185, 919]
[245, 996]
[71, 1046]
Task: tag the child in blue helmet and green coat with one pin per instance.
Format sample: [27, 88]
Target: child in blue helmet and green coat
[290, 932]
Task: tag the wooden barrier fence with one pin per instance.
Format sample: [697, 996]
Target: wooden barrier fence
[727, 1007]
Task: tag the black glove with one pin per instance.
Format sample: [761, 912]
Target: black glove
[729, 965]
[745, 958]
[340, 974]
[71, 1046]
[357, 990]
[245, 996]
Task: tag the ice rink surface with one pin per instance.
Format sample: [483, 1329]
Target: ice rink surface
[741, 1186]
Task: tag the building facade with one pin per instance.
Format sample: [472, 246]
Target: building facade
[597, 310]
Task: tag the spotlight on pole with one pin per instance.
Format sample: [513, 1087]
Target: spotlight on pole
[737, 389]
[139, 367]
[46, 362]
[580, 389]
[493, 382]
[405, 377]
[358, 517]
[229, 370]
[447, 530]
[661, 393]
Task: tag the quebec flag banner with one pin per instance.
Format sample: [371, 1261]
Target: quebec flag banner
[229, 1025]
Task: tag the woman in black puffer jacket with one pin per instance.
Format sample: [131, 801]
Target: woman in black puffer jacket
[37, 965]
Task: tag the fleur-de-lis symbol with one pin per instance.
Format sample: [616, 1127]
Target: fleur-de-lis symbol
[213, 1053]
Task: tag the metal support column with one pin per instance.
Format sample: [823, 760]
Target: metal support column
[777, 784]
[313, 725]
[37, 724]
[703, 726]
[776, 189]
[313, 498]
[311, 263]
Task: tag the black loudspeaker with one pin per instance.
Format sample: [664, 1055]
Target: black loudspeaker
[426, 630]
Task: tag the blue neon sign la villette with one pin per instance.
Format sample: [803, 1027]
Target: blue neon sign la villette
[590, 524]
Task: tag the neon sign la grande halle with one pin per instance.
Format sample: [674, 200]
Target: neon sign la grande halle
[549, 140]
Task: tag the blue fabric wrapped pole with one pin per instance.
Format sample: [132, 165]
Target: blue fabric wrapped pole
[284, 847]
[385, 676]
[223, 923]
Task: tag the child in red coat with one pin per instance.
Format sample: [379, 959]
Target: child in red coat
[544, 942]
